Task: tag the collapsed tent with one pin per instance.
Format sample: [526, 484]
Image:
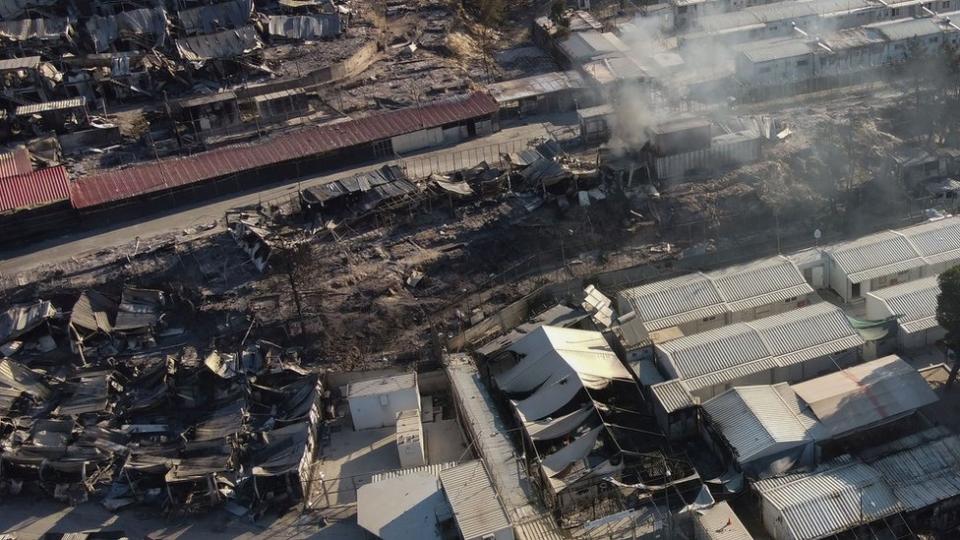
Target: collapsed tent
[305, 27]
[20, 320]
[216, 17]
[226, 44]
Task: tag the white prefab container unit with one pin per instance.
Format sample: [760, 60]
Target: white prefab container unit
[704, 301]
[915, 306]
[410, 442]
[375, 403]
[890, 258]
[790, 347]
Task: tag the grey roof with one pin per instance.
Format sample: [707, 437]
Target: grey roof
[865, 395]
[914, 303]
[672, 395]
[476, 507]
[536, 85]
[582, 46]
[889, 252]
[720, 522]
[401, 507]
[215, 17]
[382, 385]
[836, 497]
[20, 319]
[756, 420]
[922, 469]
[614, 68]
[908, 28]
[493, 443]
[788, 48]
[696, 296]
[778, 11]
[592, 112]
[728, 353]
[225, 44]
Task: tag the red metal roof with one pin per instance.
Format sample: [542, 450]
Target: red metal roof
[14, 162]
[37, 188]
[119, 184]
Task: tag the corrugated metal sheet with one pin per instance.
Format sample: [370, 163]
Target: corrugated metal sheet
[46, 106]
[807, 333]
[542, 528]
[672, 395]
[835, 498]
[674, 301]
[866, 394]
[474, 501]
[739, 288]
[713, 351]
[15, 162]
[433, 470]
[754, 419]
[937, 241]
[887, 252]
[719, 522]
[725, 354]
[915, 303]
[119, 184]
[38, 188]
[759, 283]
[536, 85]
[924, 473]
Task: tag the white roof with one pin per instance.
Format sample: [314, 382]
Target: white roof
[728, 353]
[550, 355]
[914, 303]
[696, 296]
[866, 394]
[720, 522]
[401, 507]
[890, 252]
[922, 469]
[836, 497]
[383, 385]
[476, 507]
[756, 420]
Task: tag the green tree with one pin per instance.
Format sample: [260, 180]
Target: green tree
[948, 315]
[558, 11]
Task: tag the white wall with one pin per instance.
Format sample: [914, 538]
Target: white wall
[380, 410]
[417, 140]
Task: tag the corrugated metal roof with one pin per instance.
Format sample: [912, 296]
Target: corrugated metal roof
[119, 184]
[672, 395]
[725, 354]
[909, 28]
[697, 296]
[914, 302]
[15, 162]
[923, 468]
[536, 85]
[474, 501]
[37, 188]
[36, 108]
[937, 241]
[757, 419]
[582, 46]
[541, 528]
[433, 470]
[836, 497]
[780, 11]
[890, 252]
[866, 394]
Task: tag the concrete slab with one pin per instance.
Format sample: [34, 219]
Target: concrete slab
[444, 442]
[349, 461]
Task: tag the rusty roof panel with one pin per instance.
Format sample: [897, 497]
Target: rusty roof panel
[15, 162]
[33, 189]
[119, 184]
